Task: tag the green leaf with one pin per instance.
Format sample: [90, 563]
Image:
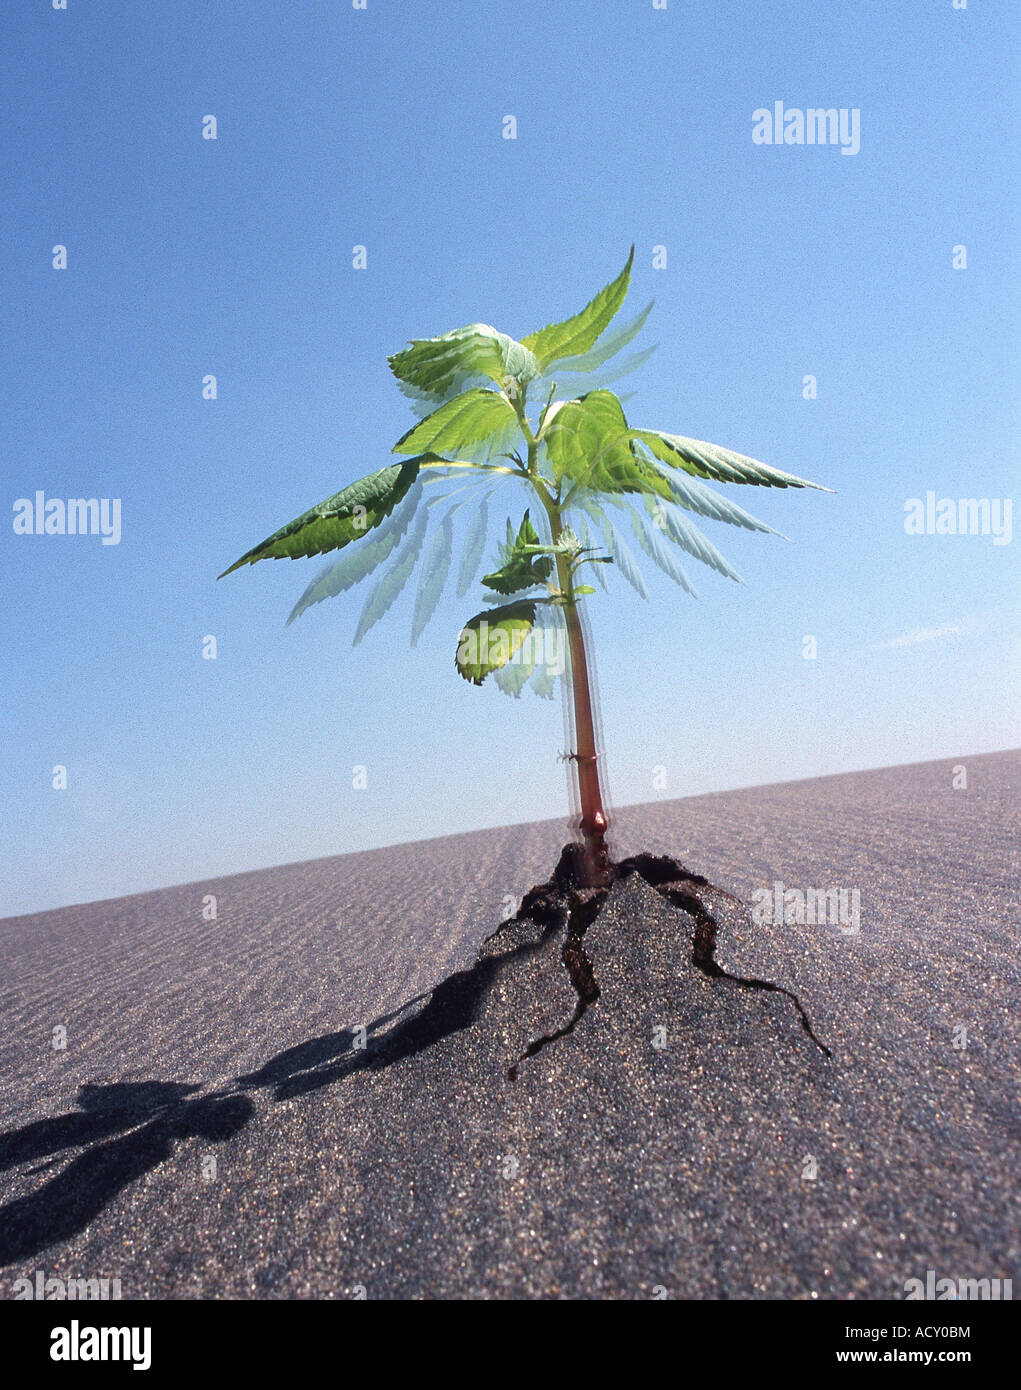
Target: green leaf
[544, 682]
[710, 461]
[589, 361]
[475, 543]
[342, 518]
[395, 578]
[512, 678]
[622, 557]
[584, 535]
[434, 576]
[359, 561]
[668, 521]
[435, 365]
[490, 639]
[589, 442]
[659, 554]
[519, 570]
[576, 335]
[694, 496]
[474, 415]
[623, 368]
[542, 659]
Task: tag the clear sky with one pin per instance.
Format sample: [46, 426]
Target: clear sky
[383, 127]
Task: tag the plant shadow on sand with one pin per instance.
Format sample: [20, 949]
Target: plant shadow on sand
[149, 1116]
[127, 1129]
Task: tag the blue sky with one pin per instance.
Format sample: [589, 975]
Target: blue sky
[383, 128]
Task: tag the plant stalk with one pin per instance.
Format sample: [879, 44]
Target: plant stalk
[593, 823]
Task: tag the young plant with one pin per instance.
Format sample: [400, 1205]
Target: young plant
[575, 458]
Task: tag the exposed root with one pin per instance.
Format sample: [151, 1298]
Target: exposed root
[583, 910]
[574, 897]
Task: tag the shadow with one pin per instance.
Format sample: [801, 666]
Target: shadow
[452, 1007]
[103, 1110]
[151, 1116]
[67, 1203]
[316, 1052]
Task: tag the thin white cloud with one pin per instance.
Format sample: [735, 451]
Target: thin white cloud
[925, 634]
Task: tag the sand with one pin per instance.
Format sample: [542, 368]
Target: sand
[218, 1125]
